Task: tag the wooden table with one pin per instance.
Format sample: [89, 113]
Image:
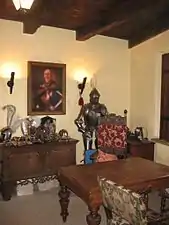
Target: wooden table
[138, 174]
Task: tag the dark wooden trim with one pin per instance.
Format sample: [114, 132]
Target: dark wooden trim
[164, 113]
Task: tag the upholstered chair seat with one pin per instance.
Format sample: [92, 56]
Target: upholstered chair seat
[102, 157]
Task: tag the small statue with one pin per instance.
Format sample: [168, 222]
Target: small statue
[13, 122]
[87, 120]
[28, 127]
[48, 128]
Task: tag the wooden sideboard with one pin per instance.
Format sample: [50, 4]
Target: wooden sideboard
[143, 149]
[34, 163]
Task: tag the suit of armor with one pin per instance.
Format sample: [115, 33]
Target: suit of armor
[87, 120]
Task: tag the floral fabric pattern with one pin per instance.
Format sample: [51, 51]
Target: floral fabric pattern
[104, 157]
[111, 135]
[126, 206]
[117, 220]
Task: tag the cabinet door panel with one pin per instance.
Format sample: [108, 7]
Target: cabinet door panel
[142, 150]
[58, 158]
[22, 165]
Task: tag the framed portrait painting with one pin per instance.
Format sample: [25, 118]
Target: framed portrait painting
[46, 89]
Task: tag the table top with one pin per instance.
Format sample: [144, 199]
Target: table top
[134, 173]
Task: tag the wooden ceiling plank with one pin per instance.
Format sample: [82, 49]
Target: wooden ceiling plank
[86, 33]
[119, 16]
[115, 17]
[160, 25]
[106, 17]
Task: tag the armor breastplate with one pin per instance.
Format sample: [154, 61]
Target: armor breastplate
[91, 116]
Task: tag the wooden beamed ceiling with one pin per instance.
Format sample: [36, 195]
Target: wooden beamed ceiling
[135, 21]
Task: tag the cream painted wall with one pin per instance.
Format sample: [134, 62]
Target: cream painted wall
[107, 58]
[146, 88]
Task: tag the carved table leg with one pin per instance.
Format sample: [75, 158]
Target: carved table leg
[93, 218]
[64, 194]
[7, 188]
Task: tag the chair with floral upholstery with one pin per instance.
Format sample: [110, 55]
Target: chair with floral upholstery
[122, 206]
[112, 137]
[125, 207]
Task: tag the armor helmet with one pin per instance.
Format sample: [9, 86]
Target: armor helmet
[94, 92]
[94, 96]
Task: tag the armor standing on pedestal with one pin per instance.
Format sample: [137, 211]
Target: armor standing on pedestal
[87, 120]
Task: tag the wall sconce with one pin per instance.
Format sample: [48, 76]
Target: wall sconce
[81, 87]
[8, 67]
[82, 76]
[10, 83]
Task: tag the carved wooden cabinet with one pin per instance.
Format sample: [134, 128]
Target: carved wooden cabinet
[34, 162]
[143, 149]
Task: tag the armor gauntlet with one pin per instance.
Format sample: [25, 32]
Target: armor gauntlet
[80, 125]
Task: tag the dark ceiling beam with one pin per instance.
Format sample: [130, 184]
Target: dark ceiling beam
[120, 15]
[31, 20]
[85, 33]
[159, 25]
[30, 25]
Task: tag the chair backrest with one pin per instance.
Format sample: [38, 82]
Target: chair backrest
[112, 134]
[123, 202]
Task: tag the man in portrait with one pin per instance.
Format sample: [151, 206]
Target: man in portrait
[48, 96]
